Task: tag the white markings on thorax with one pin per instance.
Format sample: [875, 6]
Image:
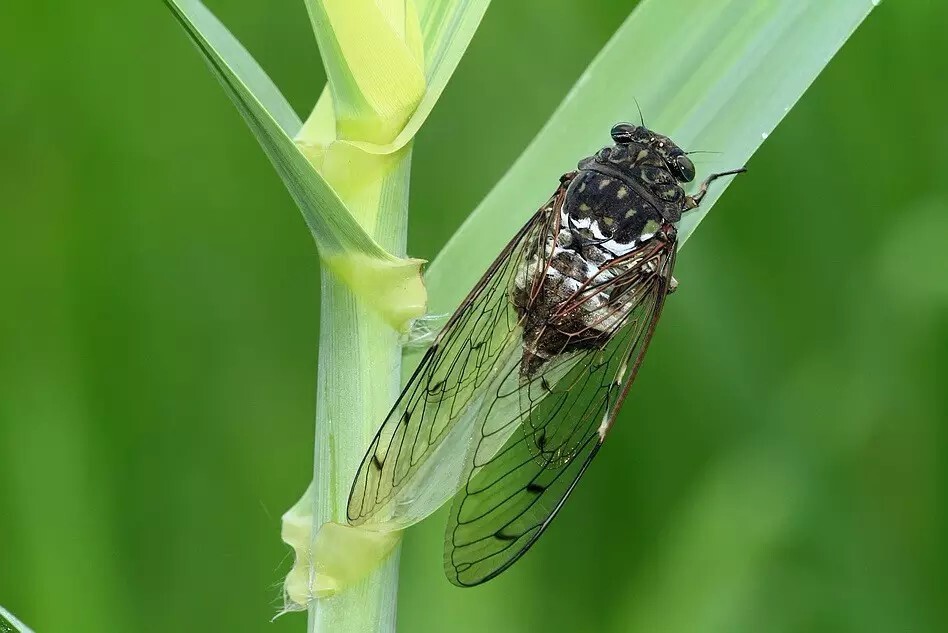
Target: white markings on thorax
[577, 262]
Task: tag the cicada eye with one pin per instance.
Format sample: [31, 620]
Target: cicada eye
[622, 132]
[684, 169]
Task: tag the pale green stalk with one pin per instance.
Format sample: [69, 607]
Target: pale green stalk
[375, 74]
[348, 169]
[379, 57]
[359, 368]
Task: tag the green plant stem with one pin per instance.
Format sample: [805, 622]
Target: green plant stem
[358, 379]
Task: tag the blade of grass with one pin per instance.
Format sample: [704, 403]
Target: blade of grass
[716, 75]
[248, 76]
[393, 285]
[9, 624]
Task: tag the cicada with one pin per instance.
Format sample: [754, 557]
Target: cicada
[518, 392]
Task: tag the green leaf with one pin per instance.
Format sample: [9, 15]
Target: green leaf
[9, 624]
[447, 27]
[714, 75]
[343, 244]
[372, 54]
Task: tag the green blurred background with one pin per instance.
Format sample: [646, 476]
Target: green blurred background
[782, 467]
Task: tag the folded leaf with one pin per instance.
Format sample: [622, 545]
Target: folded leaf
[372, 54]
[338, 557]
[447, 27]
[343, 244]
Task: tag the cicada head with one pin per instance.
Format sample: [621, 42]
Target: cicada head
[674, 157]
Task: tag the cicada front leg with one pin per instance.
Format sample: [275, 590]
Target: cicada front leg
[692, 202]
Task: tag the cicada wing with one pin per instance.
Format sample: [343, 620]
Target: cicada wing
[416, 461]
[523, 467]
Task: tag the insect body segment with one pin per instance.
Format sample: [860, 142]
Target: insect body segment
[509, 406]
[614, 204]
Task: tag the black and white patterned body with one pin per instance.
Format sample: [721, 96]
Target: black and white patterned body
[619, 200]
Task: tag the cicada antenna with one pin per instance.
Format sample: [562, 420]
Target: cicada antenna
[639, 108]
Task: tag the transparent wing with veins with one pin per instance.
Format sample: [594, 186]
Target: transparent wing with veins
[524, 465]
[418, 457]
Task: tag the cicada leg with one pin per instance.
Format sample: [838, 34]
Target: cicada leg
[692, 202]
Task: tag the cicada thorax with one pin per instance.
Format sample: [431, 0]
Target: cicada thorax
[571, 293]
